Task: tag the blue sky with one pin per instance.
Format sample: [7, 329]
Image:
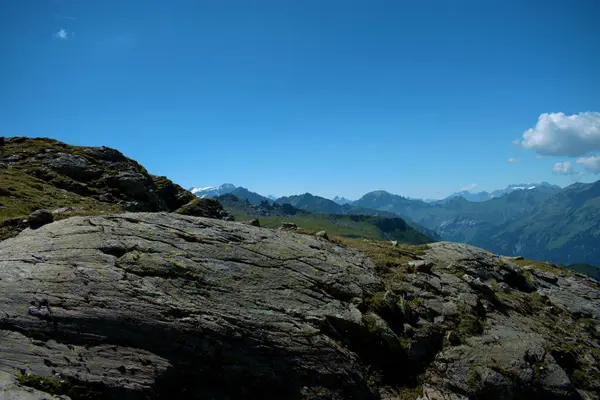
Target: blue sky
[419, 98]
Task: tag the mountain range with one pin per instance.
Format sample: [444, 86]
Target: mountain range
[339, 222]
[484, 196]
[537, 220]
[228, 188]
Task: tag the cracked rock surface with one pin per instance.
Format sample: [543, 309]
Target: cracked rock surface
[159, 305]
[165, 304]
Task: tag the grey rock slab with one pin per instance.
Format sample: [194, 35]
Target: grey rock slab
[139, 303]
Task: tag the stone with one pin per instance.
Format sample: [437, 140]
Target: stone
[40, 217]
[254, 222]
[546, 276]
[394, 243]
[504, 287]
[288, 225]
[322, 234]
[132, 183]
[65, 210]
[73, 166]
[421, 266]
[44, 173]
[208, 208]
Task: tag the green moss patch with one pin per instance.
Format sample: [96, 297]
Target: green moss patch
[59, 387]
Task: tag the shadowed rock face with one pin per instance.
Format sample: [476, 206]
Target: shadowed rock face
[136, 306]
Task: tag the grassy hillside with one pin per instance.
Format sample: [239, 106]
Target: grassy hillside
[21, 193]
[349, 226]
[42, 173]
[321, 205]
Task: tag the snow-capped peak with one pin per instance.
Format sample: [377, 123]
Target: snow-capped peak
[196, 190]
[213, 191]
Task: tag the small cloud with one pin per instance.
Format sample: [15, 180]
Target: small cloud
[563, 168]
[62, 34]
[591, 164]
[513, 160]
[557, 134]
[539, 156]
[64, 16]
[470, 187]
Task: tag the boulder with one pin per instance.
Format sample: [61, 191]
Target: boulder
[73, 166]
[421, 266]
[322, 234]
[254, 222]
[288, 226]
[208, 208]
[105, 154]
[544, 275]
[40, 217]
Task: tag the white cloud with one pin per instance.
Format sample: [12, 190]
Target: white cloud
[591, 164]
[563, 168]
[513, 160]
[62, 34]
[472, 186]
[557, 134]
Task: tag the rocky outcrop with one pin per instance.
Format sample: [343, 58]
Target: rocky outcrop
[163, 304]
[532, 336]
[100, 173]
[136, 306]
[207, 208]
[172, 194]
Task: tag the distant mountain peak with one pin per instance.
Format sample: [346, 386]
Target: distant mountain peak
[341, 200]
[213, 191]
